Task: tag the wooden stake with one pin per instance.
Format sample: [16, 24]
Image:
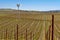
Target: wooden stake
[52, 27]
[17, 31]
[26, 34]
[6, 34]
[49, 31]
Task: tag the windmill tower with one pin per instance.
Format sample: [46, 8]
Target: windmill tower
[18, 17]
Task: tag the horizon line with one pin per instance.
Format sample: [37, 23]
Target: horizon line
[28, 9]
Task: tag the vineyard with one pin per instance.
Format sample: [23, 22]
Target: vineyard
[28, 26]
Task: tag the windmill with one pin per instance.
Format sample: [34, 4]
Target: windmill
[18, 5]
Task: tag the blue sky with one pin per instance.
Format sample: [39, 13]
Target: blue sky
[38, 5]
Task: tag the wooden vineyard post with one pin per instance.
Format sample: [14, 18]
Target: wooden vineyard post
[26, 34]
[49, 32]
[6, 34]
[52, 27]
[17, 32]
